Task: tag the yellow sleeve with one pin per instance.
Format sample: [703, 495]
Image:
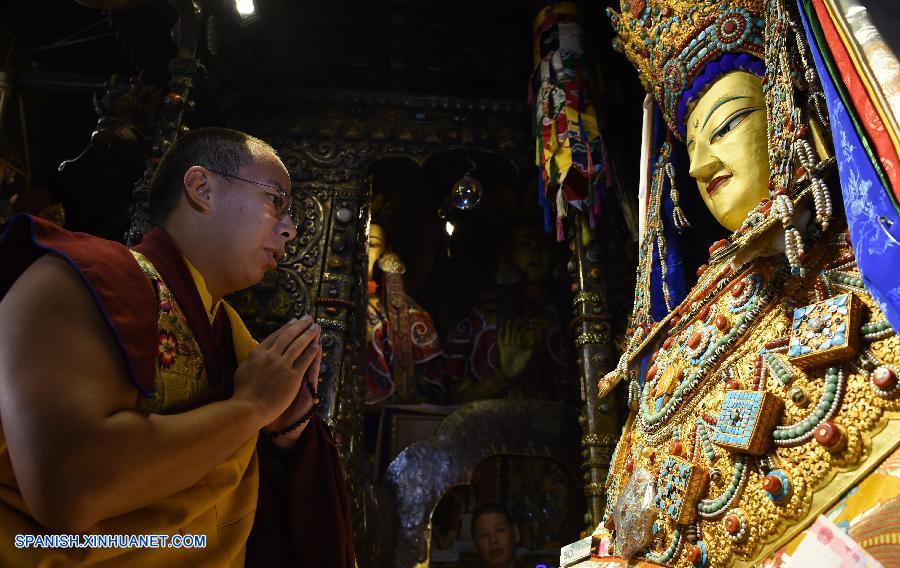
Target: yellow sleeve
[240, 335]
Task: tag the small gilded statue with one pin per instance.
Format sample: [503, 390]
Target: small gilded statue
[512, 343]
[400, 335]
[764, 393]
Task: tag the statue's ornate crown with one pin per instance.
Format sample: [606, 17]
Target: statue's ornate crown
[672, 41]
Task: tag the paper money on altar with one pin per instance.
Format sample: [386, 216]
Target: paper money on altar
[827, 546]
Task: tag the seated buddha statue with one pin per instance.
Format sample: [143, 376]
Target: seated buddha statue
[511, 343]
[764, 392]
[400, 335]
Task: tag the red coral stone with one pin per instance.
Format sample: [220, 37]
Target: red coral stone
[732, 523]
[667, 343]
[829, 435]
[884, 378]
[694, 553]
[772, 484]
[695, 340]
[651, 373]
[722, 323]
[717, 245]
[737, 288]
[728, 27]
[704, 311]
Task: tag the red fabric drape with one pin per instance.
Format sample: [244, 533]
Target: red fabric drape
[123, 294]
[868, 116]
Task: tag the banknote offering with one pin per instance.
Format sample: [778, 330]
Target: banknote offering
[827, 546]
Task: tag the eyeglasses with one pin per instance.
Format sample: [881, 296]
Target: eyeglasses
[282, 201]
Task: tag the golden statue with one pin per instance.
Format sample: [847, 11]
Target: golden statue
[512, 342]
[765, 394]
[400, 335]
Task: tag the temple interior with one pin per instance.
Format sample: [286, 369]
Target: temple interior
[474, 274]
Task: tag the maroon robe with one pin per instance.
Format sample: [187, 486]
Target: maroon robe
[303, 512]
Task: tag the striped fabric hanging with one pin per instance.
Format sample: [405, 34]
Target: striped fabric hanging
[568, 146]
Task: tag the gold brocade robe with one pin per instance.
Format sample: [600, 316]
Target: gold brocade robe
[220, 506]
[765, 400]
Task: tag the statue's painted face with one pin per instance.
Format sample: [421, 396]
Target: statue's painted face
[726, 142]
[377, 244]
[529, 252]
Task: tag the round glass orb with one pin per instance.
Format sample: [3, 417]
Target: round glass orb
[466, 193]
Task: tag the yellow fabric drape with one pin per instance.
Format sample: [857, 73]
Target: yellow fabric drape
[242, 340]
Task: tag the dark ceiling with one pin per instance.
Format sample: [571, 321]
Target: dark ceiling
[463, 48]
[458, 48]
[63, 52]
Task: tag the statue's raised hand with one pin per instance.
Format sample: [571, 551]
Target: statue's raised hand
[515, 340]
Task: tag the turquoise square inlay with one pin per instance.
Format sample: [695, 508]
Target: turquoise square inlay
[738, 418]
[671, 485]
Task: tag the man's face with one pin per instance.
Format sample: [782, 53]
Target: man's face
[252, 234]
[496, 539]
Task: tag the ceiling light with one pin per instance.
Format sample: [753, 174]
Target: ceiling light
[245, 8]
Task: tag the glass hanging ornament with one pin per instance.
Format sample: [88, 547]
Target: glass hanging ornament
[466, 193]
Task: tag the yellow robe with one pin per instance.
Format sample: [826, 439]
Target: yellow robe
[220, 506]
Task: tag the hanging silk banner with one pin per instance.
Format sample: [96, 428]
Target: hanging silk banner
[569, 149]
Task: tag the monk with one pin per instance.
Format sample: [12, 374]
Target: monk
[133, 401]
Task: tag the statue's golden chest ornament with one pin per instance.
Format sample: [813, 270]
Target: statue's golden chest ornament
[763, 389]
[825, 332]
[769, 390]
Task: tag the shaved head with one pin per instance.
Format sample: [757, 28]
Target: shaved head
[218, 149]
